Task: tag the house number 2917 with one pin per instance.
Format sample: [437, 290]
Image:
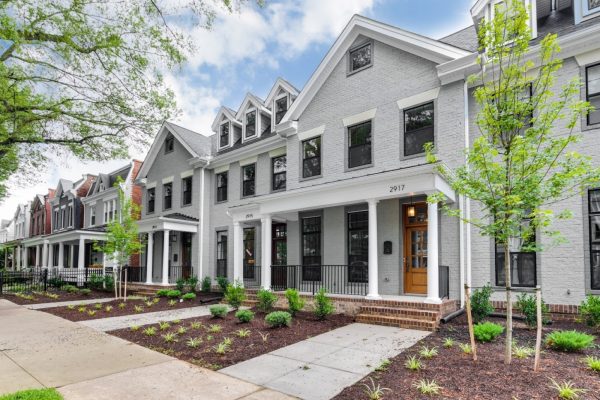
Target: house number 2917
[396, 188]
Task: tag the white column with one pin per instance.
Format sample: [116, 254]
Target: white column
[71, 256]
[37, 255]
[45, 255]
[61, 255]
[433, 292]
[149, 255]
[165, 261]
[266, 229]
[81, 254]
[18, 259]
[50, 255]
[238, 253]
[373, 248]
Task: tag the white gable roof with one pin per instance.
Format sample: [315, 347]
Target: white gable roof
[223, 112]
[280, 84]
[251, 99]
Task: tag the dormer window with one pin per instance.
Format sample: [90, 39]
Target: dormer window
[250, 124]
[281, 107]
[360, 57]
[224, 135]
[169, 144]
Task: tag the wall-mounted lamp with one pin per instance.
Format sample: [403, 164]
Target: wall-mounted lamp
[411, 209]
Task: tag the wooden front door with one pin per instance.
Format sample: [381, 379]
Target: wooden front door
[415, 249]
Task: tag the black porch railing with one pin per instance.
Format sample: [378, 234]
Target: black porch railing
[444, 281]
[335, 279]
[252, 276]
[136, 274]
[177, 272]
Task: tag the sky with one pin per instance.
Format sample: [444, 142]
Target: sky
[246, 51]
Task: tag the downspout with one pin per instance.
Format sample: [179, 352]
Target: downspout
[467, 201]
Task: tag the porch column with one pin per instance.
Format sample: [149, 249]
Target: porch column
[61, 255]
[149, 255]
[45, 254]
[373, 248]
[81, 254]
[50, 263]
[266, 230]
[238, 253]
[17, 260]
[37, 255]
[165, 261]
[433, 292]
[71, 256]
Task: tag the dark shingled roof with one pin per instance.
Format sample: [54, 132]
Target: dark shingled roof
[465, 39]
[180, 216]
[199, 143]
[239, 143]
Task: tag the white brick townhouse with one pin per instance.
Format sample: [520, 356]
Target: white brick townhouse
[326, 186]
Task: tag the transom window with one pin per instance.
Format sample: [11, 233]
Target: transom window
[311, 157]
[281, 106]
[224, 135]
[222, 186]
[523, 271]
[311, 248]
[279, 167]
[594, 214]
[167, 196]
[359, 145]
[250, 124]
[222, 253]
[169, 144]
[150, 201]
[186, 187]
[360, 57]
[249, 180]
[593, 92]
[418, 128]
[358, 246]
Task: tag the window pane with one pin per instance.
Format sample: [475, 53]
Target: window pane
[523, 268]
[415, 140]
[280, 109]
[594, 116]
[312, 147]
[249, 172]
[360, 57]
[358, 246]
[248, 187]
[279, 181]
[251, 123]
[418, 117]
[279, 164]
[224, 138]
[359, 134]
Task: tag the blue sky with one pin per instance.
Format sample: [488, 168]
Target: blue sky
[247, 51]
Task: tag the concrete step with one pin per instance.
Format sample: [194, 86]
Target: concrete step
[412, 313]
[400, 322]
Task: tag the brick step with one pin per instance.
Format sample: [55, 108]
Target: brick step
[143, 293]
[249, 303]
[399, 322]
[413, 313]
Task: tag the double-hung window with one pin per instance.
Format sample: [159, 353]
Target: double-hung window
[186, 191]
[93, 215]
[359, 145]
[281, 107]
[594, 214]
[150, 200]
[250, 124]
[169, 144]
[311, 248]
[311, 157]
[358, 246]
[249, 180]
[593, 92]
[222, 186]
[167, 196]
[418, 128]
[523, 267]
[222, 253]
[224, 135]
[279, 166]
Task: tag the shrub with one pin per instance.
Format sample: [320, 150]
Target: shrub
[69, 288]
[295, 303]
[266, 300]
[179, 284]
[162, 292]
[590, 311]
[191, 283]
[189, 296]
[96, 281]
[592, 363]
[85, 291]
[223, 283]
[56, 282]
[526, 304]
[235, 295]
[278, 318]
[487, 331]
[569, 341]
[481, 305]
[218, 310]
[244, 315]
[323, 304]
[173, 294]
[206, 283]
[215, 328]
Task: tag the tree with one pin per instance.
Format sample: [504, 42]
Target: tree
[521, 164]
[86, 76]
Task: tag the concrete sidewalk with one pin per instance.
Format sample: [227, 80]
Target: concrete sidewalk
[320, 367]
[38, 349]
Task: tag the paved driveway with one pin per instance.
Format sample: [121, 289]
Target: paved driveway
[38, 349]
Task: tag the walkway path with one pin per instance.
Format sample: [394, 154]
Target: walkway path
[40, 306]
[38, 349]
[126, 321]
[320, 367]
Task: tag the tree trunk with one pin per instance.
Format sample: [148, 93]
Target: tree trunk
[538, 338]
[507, 271]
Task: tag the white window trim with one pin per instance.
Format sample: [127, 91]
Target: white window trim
[168, 179]
[358, 118]
[256, 124]
[248, 161]
[151, 185]
[278, 152]
[274, 106]
[585, 59]
[311, 133]
[92, 215]
[225, 121]
[187, 173]
[412, 101]
[223, 168]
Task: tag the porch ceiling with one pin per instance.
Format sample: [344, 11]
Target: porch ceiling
[164, 223]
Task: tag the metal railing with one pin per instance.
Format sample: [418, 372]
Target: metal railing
[177, 272]
[252, 276]
[444, 281]
[335, 279]
[136, 274]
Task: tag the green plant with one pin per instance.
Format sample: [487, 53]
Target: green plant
[590, 310]
[223, 283]
[235, 295]
[592, 363]
[569, 341]
[189, 296]
[295, 303]
[170, 337]
[264, 336]
[195, 325]
[149, 303]
[82, 309]
[122, 306]
[191, 283]
[374, 391]
[172, 303]
[206, 284]
[194, 342]
[526, 304]
[91, 313]
[150, 331]
[71, 307]
[244, 315]
[162, 292]
[181, 330]
[481, 306]
[98, 306]
[96, 281]
[215, 328]
[566, 390]
[487, 331]
[427, 352]
[51, 295]
[155, 300]
[221, 348]
[69, 288]
[33, 394]
[426, 386]
[173, 294]
[323, 304]
[209, 338]
[228, 341]
[218, 310]
[278, 319]
[522, 351]
[266, 300]
[108, 309]
[134, 328]
[383, 366]
[85, 291]
[179, 284]
[413, 363]
[163, 325]
[448, 343]
[243, 333]
[138, 309]
[465, 348]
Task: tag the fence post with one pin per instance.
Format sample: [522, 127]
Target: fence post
[538, 339]
[45, 280]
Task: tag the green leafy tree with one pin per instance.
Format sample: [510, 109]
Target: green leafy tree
[86, 76]
[521, 164]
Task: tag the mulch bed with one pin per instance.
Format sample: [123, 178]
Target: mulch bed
[262, 338]
[74, 313]
[40, 298]
[489, 377]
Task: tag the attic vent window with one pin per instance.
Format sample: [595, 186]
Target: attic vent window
[169, 144]
[361, 57]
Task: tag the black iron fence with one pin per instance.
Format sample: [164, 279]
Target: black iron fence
[136, 274]
[177, 272]
[252, 276]
[335, 279]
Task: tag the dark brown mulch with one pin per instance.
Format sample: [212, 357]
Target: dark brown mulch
[303, 326]
[40, 297]
[75, 314]
[489, 377]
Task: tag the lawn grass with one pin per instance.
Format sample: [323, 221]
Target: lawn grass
[33, 394]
